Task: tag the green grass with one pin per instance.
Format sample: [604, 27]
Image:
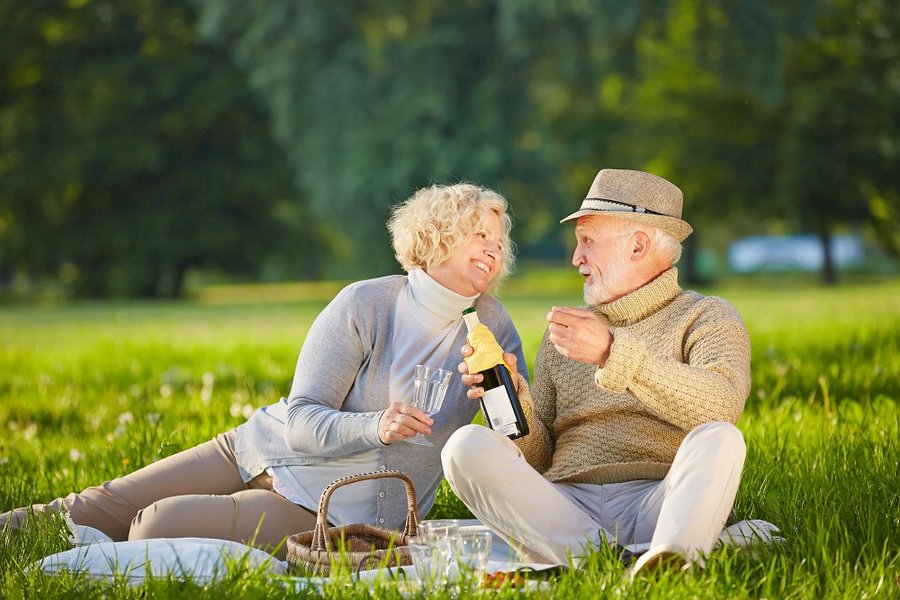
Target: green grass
[91, 391]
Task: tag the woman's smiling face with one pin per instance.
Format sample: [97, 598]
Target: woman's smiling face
[471, 267]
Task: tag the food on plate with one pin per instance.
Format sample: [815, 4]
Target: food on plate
[502, 578]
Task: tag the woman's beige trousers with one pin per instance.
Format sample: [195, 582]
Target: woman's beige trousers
[195, 493]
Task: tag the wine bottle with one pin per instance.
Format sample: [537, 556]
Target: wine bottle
[500, 403]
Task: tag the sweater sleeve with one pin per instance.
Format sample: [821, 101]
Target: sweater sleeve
[710, 385]
[536, 447]
[330, 359]
[539, 406]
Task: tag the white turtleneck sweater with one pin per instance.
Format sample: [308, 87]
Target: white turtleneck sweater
[428, 320]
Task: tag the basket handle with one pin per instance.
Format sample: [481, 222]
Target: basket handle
[322, 541]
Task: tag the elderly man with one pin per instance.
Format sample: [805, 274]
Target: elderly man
[633, 403]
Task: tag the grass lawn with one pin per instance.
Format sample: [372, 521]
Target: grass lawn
[91, 391]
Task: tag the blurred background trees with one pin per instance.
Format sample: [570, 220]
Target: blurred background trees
[130, 151]
[141, 141]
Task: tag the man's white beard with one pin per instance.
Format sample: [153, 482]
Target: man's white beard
[603, 288]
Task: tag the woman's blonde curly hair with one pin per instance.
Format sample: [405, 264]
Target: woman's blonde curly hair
[427, 227]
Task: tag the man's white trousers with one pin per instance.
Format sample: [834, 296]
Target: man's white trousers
[547, 522]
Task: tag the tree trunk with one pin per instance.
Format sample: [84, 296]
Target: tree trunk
[688, 265]
[829, 271]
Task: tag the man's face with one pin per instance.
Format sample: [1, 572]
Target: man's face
[602, 257]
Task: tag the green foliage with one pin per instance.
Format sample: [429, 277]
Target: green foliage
[93, 391]
[130, 151]
[840, 119]
[372, 100]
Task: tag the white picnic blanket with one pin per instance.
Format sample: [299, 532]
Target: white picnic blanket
[199, 559]
[503, 558]
[739, 535]
[203, 559]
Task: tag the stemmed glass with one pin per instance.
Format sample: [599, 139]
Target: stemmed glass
[430, 389]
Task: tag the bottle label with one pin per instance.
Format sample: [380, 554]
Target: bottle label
[499, 410]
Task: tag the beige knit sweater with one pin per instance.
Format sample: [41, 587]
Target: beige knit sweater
[678, 360]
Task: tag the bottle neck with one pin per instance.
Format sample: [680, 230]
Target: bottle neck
[471, 320]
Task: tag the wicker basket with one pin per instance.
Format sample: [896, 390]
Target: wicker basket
[358, 545]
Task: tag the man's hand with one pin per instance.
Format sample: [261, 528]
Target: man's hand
[401, 421]
[471, 381]
[578, 333]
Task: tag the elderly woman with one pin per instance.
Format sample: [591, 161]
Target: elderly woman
[349, 405]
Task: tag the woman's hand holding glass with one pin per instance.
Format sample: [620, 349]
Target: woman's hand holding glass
[430, 388]
[401, 421]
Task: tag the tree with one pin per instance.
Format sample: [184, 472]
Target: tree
[117, 119]
[839, 144]
[781, 111]
[682, 89]
[131, 152]
[373, 100]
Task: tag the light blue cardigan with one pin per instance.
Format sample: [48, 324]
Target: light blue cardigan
[340, 391]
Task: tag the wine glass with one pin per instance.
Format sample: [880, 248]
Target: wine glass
[474, 549]
[440, 535]
[430, 389]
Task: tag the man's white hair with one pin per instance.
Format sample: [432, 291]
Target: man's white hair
[664, 243]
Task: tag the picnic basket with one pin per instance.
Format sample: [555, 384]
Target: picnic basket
[358, 545]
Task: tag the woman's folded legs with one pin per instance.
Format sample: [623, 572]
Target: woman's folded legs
[208, 468]
[257, 517]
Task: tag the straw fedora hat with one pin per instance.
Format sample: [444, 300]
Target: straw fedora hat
[636, 196]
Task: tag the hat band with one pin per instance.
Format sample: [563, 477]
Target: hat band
[602, 204]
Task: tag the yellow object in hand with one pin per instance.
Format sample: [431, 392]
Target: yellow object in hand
[486, 352]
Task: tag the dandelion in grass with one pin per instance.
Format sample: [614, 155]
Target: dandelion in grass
[125, 419]
[206, 392]
[75, 455]
[94, 419]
